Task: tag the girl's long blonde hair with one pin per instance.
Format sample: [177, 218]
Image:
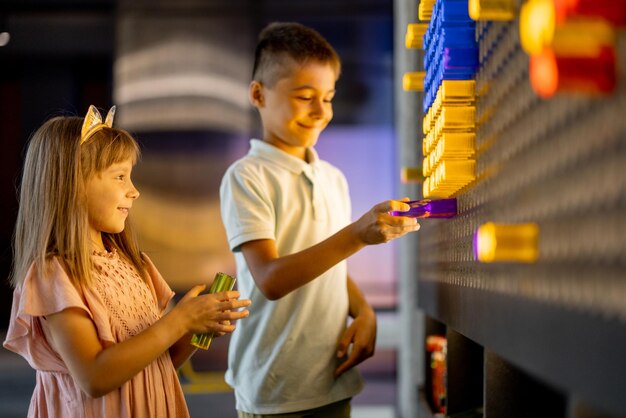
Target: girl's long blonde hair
[52, 218]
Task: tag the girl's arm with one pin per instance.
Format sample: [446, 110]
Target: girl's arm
[98, 370]
[181, 350]
[278, 276]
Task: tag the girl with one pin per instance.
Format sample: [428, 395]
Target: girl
[88, 306]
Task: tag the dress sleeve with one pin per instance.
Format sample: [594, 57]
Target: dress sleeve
[162, 291]
[40, 295]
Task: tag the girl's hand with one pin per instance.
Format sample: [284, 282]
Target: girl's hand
[214, 312]
[378, 226]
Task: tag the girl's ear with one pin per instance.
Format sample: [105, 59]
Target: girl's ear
[255, 94]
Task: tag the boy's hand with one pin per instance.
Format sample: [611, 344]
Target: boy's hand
[378, 226]
[362, 335]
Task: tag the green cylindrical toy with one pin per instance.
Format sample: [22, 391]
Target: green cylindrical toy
[222, 282]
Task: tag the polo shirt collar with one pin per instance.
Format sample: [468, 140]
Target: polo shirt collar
[271, 153]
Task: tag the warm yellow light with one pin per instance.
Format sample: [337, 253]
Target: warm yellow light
[582, 37]
[537, 23]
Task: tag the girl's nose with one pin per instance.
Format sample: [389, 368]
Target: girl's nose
[133, 193]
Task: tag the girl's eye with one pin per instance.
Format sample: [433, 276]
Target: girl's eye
[304, 98]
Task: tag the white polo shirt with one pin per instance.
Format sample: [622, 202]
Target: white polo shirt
[282, 357]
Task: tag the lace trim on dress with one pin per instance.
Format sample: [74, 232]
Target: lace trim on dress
[106, 254]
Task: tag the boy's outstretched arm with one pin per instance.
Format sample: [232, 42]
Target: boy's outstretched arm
[278, 276]
[361, 333]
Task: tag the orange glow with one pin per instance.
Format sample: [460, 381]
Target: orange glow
[551, 73]
[544, 74]
[563, 7]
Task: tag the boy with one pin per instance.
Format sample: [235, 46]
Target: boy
[287, 217]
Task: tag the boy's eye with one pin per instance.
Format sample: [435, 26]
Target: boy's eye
[304, 98]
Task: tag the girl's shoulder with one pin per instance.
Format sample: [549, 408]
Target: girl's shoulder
[46, 292]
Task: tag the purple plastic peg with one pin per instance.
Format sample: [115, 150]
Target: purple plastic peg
[427, 208]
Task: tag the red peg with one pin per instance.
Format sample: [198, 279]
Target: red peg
[550, 73]
[613, 11]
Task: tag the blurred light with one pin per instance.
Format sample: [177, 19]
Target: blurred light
[613, 11]
[544, 75]
[184, 84]
[5, 37]
[551, 73]
[500, 242]
[492, 9]
[537, 21]
[582, 37]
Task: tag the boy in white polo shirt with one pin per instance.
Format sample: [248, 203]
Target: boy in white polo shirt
[287, 217]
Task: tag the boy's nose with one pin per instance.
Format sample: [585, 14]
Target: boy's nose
[320, 109]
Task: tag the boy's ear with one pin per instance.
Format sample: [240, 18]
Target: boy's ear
[255, 94]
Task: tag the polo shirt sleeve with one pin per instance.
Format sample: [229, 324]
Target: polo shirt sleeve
[247, 211]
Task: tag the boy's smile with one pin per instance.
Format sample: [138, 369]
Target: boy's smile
[297, 108]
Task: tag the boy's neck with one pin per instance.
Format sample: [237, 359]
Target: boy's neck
[298, 152]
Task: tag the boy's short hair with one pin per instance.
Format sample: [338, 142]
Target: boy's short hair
[280, 42]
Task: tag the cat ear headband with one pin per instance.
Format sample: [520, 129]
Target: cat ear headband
[93, 122]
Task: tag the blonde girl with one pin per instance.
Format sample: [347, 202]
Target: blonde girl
[88, 307]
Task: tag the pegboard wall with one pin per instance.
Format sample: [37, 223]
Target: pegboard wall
[556, 161]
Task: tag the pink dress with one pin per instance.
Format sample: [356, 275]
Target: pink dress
[121, 305]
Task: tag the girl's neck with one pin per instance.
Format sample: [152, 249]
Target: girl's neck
[97, 244]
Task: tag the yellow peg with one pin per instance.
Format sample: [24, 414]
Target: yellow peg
[492, 9]
[413, 81]
[415, 35]
[411, 175]
[507, 242]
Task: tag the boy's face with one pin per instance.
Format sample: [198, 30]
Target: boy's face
[297, 108]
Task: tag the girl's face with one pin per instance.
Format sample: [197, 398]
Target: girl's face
[110, 195]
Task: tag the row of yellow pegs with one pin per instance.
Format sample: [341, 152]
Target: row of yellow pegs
[414, 81]
[449, 139]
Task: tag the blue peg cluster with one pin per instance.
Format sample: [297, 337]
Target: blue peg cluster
[450, 45]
